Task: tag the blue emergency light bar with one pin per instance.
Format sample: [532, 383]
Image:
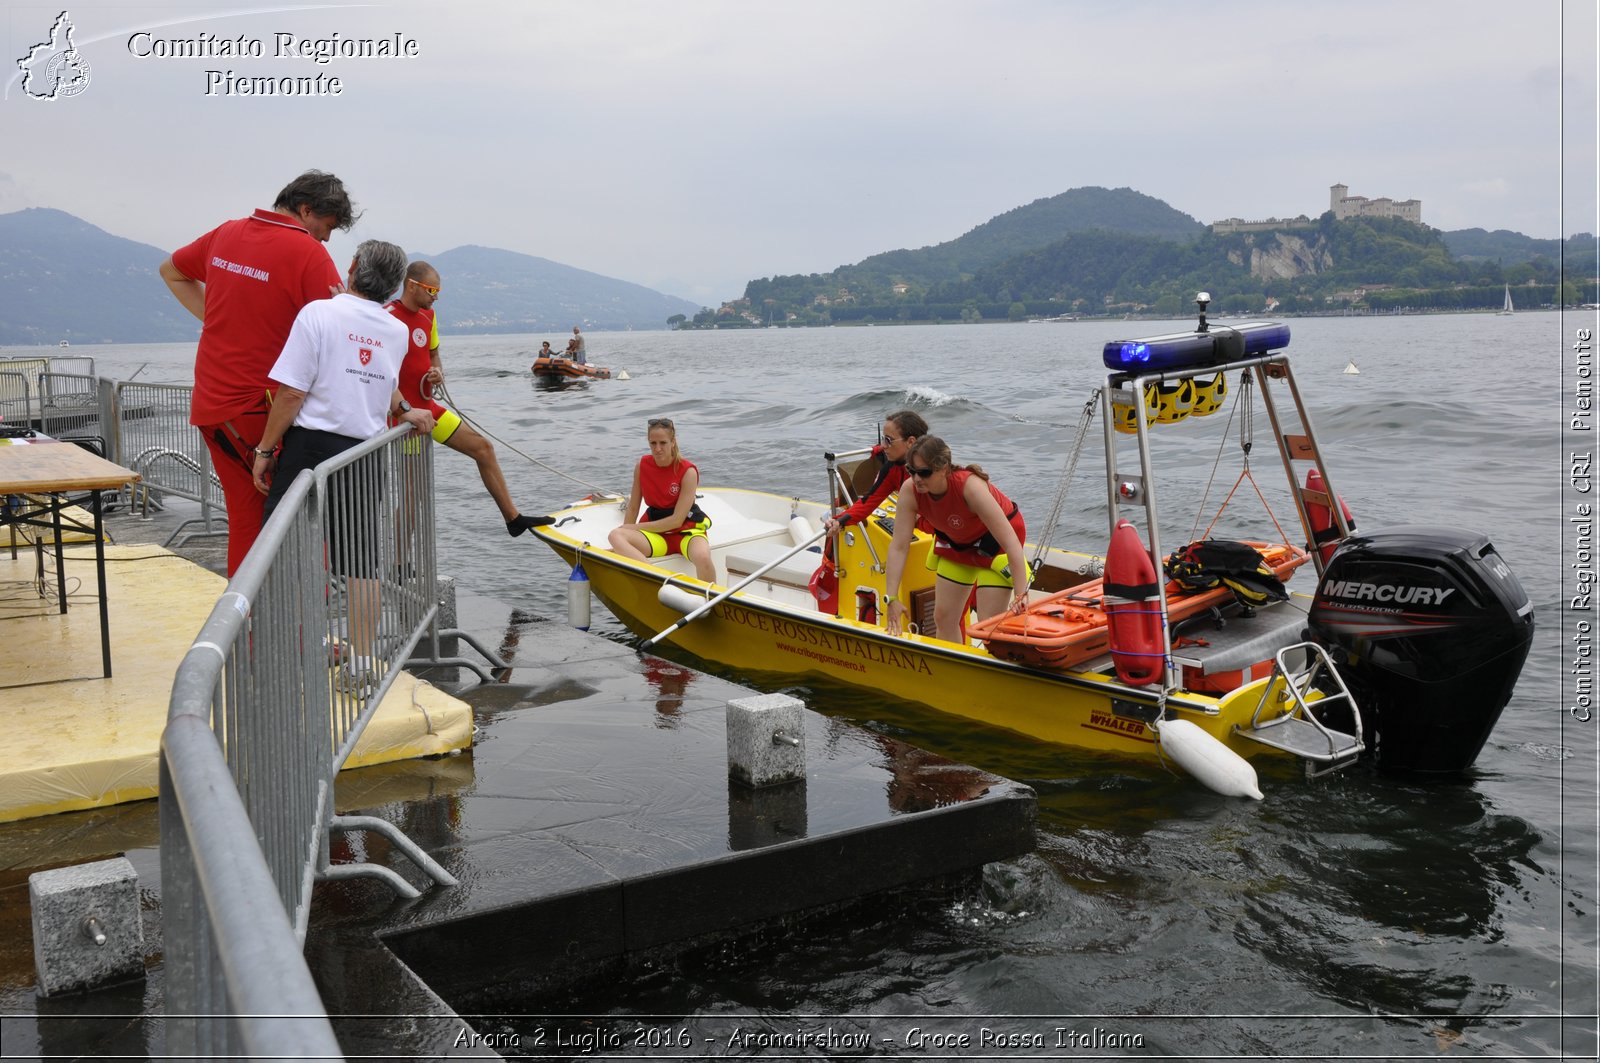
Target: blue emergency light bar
[1182, 350]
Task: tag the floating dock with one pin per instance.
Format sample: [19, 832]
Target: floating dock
[77, 740]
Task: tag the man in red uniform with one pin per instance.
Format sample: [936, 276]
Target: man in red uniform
[422, 371]
[246, 280]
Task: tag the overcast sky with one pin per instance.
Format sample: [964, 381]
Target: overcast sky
[691, 145]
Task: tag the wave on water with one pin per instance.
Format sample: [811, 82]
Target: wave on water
[932, 397]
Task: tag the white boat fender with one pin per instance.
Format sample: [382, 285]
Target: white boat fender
[578, 596]
[678, 599]
[800, 530]
[1208, 760]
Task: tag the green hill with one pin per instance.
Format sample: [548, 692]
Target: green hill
[1140, 262]
[897, 275]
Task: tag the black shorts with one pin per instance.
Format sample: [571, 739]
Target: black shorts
[353, 522]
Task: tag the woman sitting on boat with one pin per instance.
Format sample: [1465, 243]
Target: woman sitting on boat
[901, 430]
[665, 483]
[974, 524]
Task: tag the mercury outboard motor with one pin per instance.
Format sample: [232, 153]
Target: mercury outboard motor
[1429, 629]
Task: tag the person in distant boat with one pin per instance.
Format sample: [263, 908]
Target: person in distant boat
[974, 527]
[245, 280]
[546, 351]
[901, 430]
[672, 523]
[576, 348]
[422, 371]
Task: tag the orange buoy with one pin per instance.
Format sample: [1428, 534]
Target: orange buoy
[1324, 533]
[1133, 609]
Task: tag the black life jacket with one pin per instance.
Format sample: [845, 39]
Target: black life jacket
[1222, 562]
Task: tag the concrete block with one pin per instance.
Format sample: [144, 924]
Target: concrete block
[86, 926]
[766, 739]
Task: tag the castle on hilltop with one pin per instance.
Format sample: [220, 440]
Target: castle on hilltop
[1343, 205]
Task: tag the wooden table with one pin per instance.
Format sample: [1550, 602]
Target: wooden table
[52, 469]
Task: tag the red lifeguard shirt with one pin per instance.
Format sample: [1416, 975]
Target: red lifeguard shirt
[423, 325]
[258, 272]
[661, 485]
[959, 533]
[890, 477]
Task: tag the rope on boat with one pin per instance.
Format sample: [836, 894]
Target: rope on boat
[443, 393]
[1085, 421]
[1246, 442]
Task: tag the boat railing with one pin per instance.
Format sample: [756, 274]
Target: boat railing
[1291, 428]
[278, 686]
[1284, 718]
[842, 486]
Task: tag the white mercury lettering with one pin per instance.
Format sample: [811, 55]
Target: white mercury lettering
[1389, 593]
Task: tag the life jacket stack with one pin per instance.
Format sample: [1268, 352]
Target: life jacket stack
[1133, 609]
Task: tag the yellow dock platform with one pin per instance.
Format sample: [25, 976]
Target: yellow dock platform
[75, 740]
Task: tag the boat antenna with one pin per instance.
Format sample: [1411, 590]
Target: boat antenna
[1202, 300]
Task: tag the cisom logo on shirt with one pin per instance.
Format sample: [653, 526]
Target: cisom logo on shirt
[366, 355]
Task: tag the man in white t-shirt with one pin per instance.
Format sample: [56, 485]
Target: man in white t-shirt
[337, 380]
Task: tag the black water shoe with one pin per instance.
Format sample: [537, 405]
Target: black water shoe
[521, 523]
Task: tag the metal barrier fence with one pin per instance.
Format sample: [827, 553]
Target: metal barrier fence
[16, 397]
[155, 439]
[71, 407]
[283, 677]
[29, 369]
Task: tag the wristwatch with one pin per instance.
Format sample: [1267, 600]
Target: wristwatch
[405, 407]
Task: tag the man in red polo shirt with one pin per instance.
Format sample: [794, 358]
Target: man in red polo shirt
[246, 280]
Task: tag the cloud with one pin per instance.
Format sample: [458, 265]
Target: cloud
[712, 141]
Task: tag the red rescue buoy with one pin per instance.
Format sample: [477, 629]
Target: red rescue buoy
[824, 586]
[1133, 609]
[1324, 533]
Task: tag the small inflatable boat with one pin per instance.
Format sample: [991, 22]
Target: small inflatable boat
[546, 366]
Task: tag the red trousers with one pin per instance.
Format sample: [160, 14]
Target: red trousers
[233, 458]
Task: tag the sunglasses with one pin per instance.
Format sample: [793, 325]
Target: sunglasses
[661, 422]
[890, 441]
[921, 474]
[430, 289]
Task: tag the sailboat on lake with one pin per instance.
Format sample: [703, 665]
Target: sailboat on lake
[1508, 309]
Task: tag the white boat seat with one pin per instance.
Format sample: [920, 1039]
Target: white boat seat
[729, 527]
[743, 560]
[1240, 641]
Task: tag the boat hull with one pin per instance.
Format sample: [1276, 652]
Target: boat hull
[566, 367]
[756, 630]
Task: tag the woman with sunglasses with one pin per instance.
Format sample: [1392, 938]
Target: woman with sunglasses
[978, 536]
[901, 430]
[664, 482]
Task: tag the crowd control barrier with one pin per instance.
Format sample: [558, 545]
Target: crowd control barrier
[266, 706]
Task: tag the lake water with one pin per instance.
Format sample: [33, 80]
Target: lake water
[1347, 916]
